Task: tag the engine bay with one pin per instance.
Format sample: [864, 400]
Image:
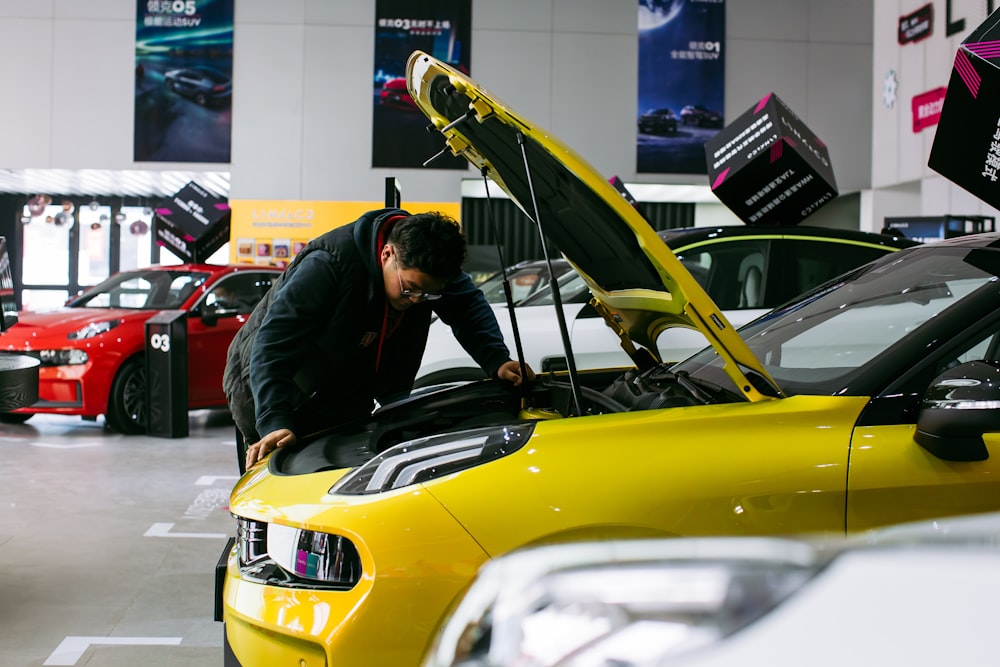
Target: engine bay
[450, 408]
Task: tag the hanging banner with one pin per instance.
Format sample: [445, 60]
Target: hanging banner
[183, 80]
[272, 232]
[681, 83]
[441, 28]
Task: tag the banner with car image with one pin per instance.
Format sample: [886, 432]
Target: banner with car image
[183, 80]
[681, 83]
[441, 28]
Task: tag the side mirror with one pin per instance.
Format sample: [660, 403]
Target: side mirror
[210, 314]
[209, 317]
[960, 406]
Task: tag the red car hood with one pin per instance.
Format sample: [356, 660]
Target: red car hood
[35, 330]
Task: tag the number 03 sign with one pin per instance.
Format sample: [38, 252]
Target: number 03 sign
[160, 342]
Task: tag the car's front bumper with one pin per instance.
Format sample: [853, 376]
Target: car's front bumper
[416, 560]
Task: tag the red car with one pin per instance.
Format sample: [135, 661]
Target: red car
[93, 349]
[395, 94]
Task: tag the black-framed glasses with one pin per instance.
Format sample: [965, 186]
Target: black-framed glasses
[416, 294]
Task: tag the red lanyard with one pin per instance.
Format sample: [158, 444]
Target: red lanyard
[386, 332]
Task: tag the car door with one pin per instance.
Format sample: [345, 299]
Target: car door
[189, 81]
[891, 477]
[212, 324]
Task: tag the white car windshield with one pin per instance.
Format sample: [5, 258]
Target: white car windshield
[572, 289]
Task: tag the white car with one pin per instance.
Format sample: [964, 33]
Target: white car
[921, 595]
[746, 270]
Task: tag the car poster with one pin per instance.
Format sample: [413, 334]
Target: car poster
[183, 80]
[681, 83]
[441, 28]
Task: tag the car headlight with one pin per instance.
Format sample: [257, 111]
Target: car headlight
[424, 459]
[283, 556]
[93, 329]
[314, 555]
[630, 602]
[65, 357]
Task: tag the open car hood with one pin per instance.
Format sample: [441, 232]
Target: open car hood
[638, 284]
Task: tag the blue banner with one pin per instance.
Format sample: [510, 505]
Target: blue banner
[681, 83]
[183, 80]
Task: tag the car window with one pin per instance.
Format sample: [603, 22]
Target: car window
[524, 283]
[239, 292]
[130, 293]
[572, 289]
[805, 264]
[160, 290]
[183, 286]
[732, 272]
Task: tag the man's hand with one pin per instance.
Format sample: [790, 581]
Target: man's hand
[258, 450]
[511, 372]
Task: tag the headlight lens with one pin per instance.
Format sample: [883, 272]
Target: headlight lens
[66, 357]
[93, 329]
[313, 555]
[618, 603]
[424, 459]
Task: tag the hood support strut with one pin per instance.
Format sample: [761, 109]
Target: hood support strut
[506, 288]
[553, 283]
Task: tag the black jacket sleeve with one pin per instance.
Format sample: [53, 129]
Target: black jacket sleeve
[303, 306]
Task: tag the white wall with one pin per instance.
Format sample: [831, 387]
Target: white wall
[903, 183]
[302, 83]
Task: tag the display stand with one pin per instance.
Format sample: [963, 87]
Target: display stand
[18, 372]
[167, 374]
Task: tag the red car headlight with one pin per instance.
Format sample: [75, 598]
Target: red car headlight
[65, 357]
[93, 329]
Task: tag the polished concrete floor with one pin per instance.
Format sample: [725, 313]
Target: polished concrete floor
[108, 543]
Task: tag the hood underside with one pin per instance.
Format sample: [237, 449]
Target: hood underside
[638, 285]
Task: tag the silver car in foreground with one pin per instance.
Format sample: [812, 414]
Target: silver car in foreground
[923, 594]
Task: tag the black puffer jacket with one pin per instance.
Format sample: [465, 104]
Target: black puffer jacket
[318, 332]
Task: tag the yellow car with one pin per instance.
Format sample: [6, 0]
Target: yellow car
[869, 401]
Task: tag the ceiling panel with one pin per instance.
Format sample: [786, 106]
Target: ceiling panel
[98, 182]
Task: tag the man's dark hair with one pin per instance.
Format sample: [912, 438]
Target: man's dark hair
[429, 242]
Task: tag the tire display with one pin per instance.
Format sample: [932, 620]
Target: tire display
[18, 385]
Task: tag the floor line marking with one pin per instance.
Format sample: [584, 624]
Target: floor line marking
[163, 530]
[71, 649]
[209, 480]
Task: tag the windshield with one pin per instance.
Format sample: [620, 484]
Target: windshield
[525, 281]
[815, 345]
[142, 290]
[572, 289]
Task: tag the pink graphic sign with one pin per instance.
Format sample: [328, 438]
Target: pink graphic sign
[927, 108]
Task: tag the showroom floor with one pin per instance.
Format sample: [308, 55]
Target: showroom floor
[108, 543]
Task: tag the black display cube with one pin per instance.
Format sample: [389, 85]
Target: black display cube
[193, 223]
[768, 167]
[966, 147]
[167, 374]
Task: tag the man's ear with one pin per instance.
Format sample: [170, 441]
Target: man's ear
[385, 254]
